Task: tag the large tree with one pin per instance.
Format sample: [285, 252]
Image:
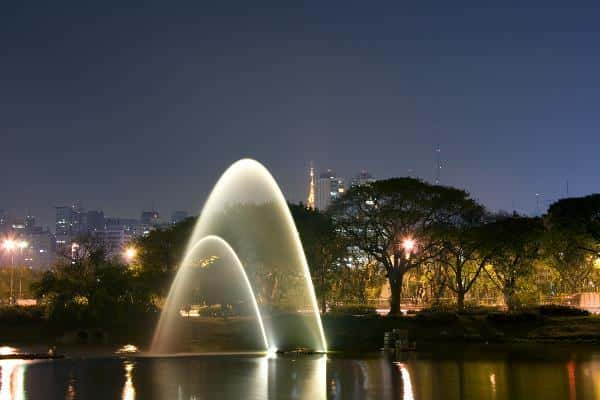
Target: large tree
[517, 243]
[161, 252]
[579, 218]
[569, 256]
[393, 221]
[465, 251]
[91, 289]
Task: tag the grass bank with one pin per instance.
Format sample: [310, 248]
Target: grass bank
[344, 331]
[365, 332]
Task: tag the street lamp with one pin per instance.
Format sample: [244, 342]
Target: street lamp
[408, 245]
[130, 254]
[22, 245]
[9, 245]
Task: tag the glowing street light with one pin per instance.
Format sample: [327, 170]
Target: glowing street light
[130, 253]
[408, 244]
[22, 244]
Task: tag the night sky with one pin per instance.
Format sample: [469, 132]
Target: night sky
[126, 107]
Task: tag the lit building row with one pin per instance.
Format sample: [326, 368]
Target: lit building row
[329, 186]
[72, 222]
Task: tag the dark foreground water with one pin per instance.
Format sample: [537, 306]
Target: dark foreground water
[539, 372]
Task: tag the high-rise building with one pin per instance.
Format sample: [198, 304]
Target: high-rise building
[40, 253]
[64, 218]
[362, 178]
[130, 225]
[178, 216]
[70, 220]
[3, 222]
[94, 221]
[77, 219]
[29, 223]
[118, 232]
[329, 187]
[149, 221]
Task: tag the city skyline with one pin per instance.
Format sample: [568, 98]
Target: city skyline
[46, 216]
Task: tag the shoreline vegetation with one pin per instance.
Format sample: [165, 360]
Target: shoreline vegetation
[345, 332]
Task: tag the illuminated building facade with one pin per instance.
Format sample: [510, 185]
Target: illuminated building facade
[329, 187]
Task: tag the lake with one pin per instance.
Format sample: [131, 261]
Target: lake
[440, 372]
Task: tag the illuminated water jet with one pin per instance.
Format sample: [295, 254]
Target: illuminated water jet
[248, 213]
[231, 281]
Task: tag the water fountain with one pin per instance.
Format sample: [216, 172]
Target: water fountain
[246, 228]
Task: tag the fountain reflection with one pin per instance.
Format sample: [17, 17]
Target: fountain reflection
[12, 383]
[407, 389]
[128, 388]
[304, 377]
[422, 376]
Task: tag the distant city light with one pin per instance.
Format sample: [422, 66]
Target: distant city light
[22, 244]
[9, 244]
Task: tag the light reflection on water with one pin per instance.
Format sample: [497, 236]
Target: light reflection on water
[375, 376]
[407, 389]
[128, 388]
[12, 383]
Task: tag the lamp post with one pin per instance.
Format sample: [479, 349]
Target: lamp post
[22, 246]
[400, 266]
[9, 245]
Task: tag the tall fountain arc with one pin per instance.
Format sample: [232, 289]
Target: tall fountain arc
[166, 325]
[246, 184]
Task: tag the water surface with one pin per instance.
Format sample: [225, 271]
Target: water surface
[484, 372]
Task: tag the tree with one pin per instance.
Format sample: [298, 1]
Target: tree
[323, 248]
[436, 275]
[393, 221]
[91, 289]
[578, 217]
[516, 243]
[569, 256]
[358, 278]
[160, 253]
[464, 251]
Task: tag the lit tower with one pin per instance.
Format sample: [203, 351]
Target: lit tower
[310, 201]
[438, 166]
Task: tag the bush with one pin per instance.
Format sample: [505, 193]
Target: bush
[473, 309]
[353, 309]
[15, 315]
[556, 310]
[516, 316]
[437, 314]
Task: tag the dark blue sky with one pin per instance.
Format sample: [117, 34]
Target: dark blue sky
[125, 106]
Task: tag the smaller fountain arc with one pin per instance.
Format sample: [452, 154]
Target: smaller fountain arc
[164, 322]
